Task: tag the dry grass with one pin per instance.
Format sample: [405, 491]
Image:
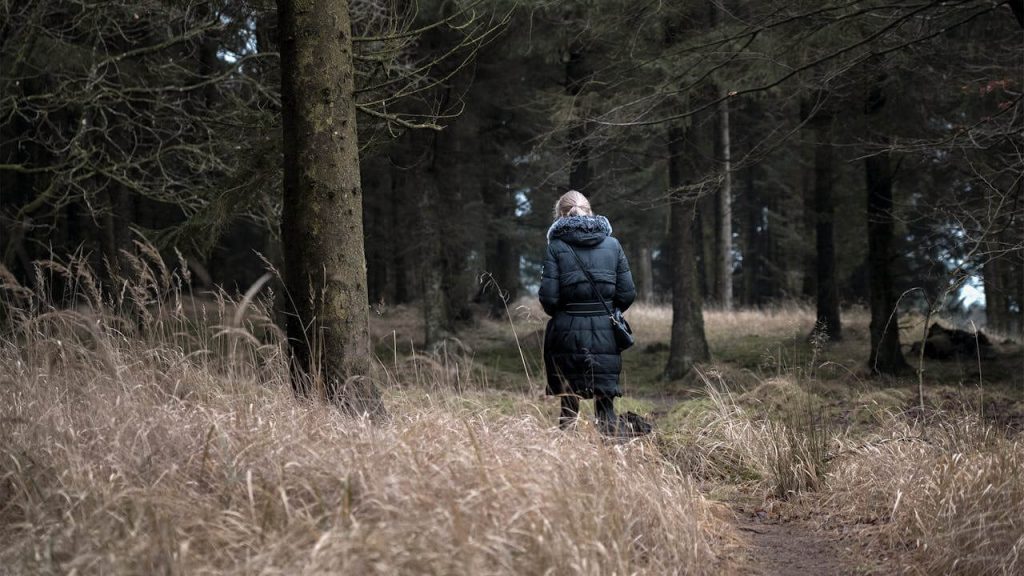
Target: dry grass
[151, 431]
[653, 322]
[951, 493]
[135, 438]
[780, 458]
[943, 495]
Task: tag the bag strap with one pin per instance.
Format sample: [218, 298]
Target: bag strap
[590, 278]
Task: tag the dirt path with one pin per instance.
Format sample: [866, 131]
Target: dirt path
[787, 548]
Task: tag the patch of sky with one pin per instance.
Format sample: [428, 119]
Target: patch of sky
[523, 204]
[529, 274]
[525, 158]
[972, 293]
[247, 34]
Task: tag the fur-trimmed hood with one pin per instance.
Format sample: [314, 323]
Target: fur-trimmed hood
[580, 230]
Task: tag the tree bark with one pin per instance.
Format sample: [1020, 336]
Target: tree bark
[579, 151]
[457, 282]
[645, 273]
[1018, 280]
[446, 296]
[502, 249]
[809, 288]
[506, 271]
[828, 322]
[432, 266]
[753, 238]
[724, 283]
[707, 226]
[321, 224]
[379, 235]
[399, 263]
[688, 345]
[993, 275]
[886, 356]
[723, 151]
[117, 234]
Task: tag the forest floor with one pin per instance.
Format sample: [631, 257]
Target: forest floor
[775, 548]
[764, 362]
[773, 544]
[164, 437]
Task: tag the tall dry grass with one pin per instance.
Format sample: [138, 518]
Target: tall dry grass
[653, 322]
[146, 432]
[943, 495]
[774, 456]
[950, 492]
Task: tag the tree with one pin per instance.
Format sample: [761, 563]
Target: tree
[686, 166]
[321, 225]
[723, 149]
[827, 322]
[688, 345]
[117, 120]
[724, 266]
[886, 356]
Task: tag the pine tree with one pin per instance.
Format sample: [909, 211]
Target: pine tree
[321, 226]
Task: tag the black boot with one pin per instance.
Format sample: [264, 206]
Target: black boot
[570, 410]
[604, 408]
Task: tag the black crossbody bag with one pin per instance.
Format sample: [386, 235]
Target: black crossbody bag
[623, 333]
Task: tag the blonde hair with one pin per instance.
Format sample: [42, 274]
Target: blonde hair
[572, 203]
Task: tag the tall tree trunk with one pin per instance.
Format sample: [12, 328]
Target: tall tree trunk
[706, 228]
[432, 265]
[457, 283]
[399, 264]
[828, 321]
[502, 249]
[688, 345]
[723, 150]
[645, 272]
[321, 224]
[1019, 282]
[579, 151]
[809, 288]
[750, 205]
[506, 257]
[752, 239]
[886, 356]
[117, 235]
[993, 275]
[379, 242]
[775, 258]
[446, 296]
[724, 266]
[208, 60]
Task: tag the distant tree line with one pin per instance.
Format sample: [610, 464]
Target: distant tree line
[746, 153]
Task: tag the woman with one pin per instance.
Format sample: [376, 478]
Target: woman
[580, 354]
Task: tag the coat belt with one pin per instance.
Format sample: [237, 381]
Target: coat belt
[594, 308]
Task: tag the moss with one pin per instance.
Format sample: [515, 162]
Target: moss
[874, 407]
[766, 355]
[782, 398]
[682, 449]
[642, 371]
[635, 404]
[686, 414]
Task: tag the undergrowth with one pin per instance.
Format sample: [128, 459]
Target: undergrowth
[149, 431]
[145, 429]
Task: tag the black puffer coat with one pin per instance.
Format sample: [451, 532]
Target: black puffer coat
[580, 354]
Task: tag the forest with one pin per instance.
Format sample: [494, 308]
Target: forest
[268, 288]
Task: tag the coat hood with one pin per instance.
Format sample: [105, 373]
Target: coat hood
[580, 230]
